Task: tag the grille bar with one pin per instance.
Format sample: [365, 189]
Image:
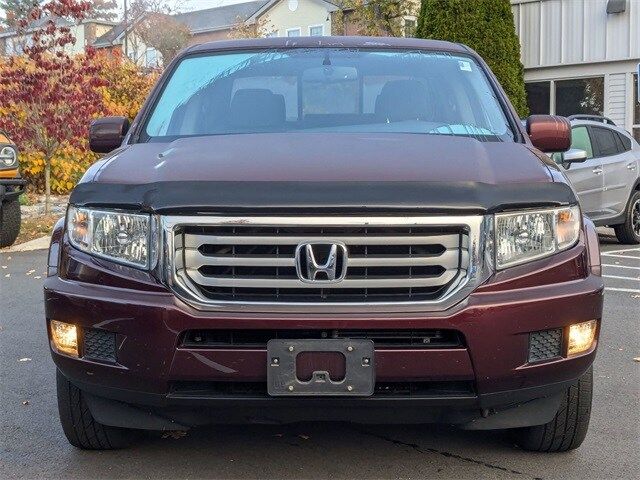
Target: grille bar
[448, 258]
[195, 241]
[273, 282]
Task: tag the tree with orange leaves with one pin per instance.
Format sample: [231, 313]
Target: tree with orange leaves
[53, 96]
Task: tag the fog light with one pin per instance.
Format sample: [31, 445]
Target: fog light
[581, 336]
[65, 337]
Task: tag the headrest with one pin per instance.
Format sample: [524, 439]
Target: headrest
[257, 107]
[403, 100]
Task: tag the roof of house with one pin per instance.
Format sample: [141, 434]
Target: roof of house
[111, 37]
[219, 18]
[59, 21]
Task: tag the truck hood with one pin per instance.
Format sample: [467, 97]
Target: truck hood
[320, 171]
[319, 157]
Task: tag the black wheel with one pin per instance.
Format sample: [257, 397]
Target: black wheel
[9, 222]
[569, 427]
[80, 427]
[629, 231]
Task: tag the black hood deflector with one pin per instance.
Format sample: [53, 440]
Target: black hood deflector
[259, 197]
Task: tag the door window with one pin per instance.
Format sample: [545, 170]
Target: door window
[605, 141]
[580, 139]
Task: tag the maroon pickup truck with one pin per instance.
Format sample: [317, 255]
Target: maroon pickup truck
[350, 229]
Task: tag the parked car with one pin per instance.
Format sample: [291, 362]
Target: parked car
[604, 167]
[11, 186]
[349, 229]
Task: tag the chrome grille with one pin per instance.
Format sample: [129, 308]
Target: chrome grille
[224, 261]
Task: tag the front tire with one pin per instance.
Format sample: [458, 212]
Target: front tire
[629, 232]
[79, 426]
[9, 222]
[569, 427]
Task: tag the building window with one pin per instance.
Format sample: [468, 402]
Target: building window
[151, 58]
[409, 27]
[539, 97]
[636, 109]
[293, 32]
[581, 95]
[316, 31]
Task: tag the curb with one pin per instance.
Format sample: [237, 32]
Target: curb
[41, 243]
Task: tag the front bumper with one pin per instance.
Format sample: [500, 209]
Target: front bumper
[11, 188]
[495, 322]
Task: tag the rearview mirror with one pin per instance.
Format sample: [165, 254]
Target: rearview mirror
[106, 134]
[549, 133]
[330, 74]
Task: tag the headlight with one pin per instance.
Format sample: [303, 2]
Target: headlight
[8, 157]
[122, 237]
[522, 237]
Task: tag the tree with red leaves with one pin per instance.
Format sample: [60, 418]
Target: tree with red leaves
[52, 96]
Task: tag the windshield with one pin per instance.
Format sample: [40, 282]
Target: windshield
[328, 90]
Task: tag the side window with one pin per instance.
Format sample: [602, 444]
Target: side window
[605, 141]
[625, 141]
[580, 139]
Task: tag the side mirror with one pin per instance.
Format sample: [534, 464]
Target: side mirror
[106, 134]
[574, 155]
[549, 133]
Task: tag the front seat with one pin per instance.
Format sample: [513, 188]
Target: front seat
[402, 100]
[257, 109]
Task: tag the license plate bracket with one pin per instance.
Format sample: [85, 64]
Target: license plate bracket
[359, 377]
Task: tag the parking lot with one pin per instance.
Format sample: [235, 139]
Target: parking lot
[32, 444]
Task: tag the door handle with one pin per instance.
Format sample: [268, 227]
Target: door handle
[631, 166]
[597, 170]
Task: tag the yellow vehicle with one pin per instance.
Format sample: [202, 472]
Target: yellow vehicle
[11, 186]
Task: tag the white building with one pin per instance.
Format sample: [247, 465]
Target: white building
[581, 56]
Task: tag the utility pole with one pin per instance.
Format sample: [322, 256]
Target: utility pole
[126, 30]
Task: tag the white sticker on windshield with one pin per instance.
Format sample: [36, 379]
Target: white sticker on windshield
[464, 66]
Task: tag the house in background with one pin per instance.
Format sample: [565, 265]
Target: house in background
[85, 33]
[217, 23]
[581, 56]
[277, 18]
[137, 51]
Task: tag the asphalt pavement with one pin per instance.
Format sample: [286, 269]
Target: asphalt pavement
[32, 444]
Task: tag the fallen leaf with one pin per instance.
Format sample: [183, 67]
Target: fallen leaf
[7, 275]
[278, 435]
[175, 434]
[636, 359]
[25, 402]
[25, 359]
[30, 272]
[38, 277]
[304, 437]
[4, 266]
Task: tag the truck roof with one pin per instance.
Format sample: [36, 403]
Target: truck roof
[335, 42]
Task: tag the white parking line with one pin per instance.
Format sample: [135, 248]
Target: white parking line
[620, 256]
[629, 290]
[620, 266]
[622, 278]
[624, 250]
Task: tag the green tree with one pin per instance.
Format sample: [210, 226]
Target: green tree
[487, 27]
[375, 17]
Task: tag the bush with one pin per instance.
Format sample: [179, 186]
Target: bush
[487, 27]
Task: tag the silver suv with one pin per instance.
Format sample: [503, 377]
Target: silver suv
[603, 165]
